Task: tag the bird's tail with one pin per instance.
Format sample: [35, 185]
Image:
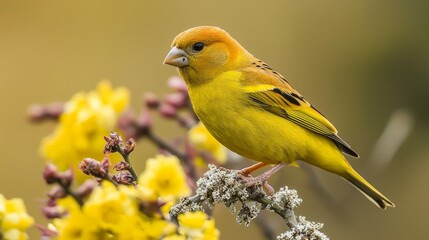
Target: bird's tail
[367, 189]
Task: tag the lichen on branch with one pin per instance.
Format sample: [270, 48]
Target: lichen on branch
[228, 187]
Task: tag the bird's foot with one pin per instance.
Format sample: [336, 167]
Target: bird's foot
[250, 181]
[260, 180]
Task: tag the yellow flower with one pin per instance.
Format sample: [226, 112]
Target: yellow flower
[130, 227]
[77, 225]
[14, 234]
[87, 117]
[165, 177]
[14, 219]
[200, 137]
[197, 225]
[110, 213]
[174, 237]
[67, 204]
[107, 204]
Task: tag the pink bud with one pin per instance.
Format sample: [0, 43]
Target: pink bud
[43, 112]
[46, 232]
[67, 177]
[105, 164]
[50, 173]
[129, 147]
[145, 120]
[93, 167]
[54, 110]
[177, 100]
[126, 120]
[121, 166]
[177, 84]
[151, 100]
[84, 165]
[168, 111]
[56, 192]
[52, 212]
[112, 143]
[124, 177]
[36, 113]
[86, 188]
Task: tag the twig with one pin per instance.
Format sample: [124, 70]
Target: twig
[110, 179]
[125, 156]
[164, 145]
[66, 188]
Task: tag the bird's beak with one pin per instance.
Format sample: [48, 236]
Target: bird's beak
[177, 57]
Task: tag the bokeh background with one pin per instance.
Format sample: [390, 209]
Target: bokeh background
[359, 62]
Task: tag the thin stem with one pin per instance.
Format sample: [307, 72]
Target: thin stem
[185, 122]
[110, 179]
[163, 145]
[69, 192]
[127, 159]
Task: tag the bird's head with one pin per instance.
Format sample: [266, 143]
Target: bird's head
[202, 53]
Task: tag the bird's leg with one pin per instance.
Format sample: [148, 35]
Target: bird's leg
[262, 179]
[265, 175]
[246, 171]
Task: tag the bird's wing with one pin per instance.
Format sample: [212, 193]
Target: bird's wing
[269, 90]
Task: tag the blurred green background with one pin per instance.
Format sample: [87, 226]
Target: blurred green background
[357, 61]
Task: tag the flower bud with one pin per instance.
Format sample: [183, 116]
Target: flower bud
[105, 164]
[67, 177]
[124, 177]
[151, 100]
[50, 173]
[112, 143]
[92, 167]
[131, 144]
[121, 166]
[144, 121]
[167, 110]
[56, 192]
[51, 212]
[54, 110]
[86, 188]
[177, 100]
[177, 84]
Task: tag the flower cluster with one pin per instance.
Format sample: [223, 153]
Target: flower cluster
[110, 213]
[85, 119]
[164, 177]
[14, 219]
[117, 209]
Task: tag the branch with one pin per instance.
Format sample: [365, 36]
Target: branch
[220, 185]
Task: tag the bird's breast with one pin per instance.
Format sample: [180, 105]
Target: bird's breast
[229, 115]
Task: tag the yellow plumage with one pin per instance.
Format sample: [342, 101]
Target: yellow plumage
[251, 109]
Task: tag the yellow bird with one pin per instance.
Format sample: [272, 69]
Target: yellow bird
[254, 111]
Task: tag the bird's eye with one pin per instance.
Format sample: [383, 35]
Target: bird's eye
[198, 46]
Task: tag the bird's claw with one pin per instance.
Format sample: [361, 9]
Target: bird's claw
[260, 180]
